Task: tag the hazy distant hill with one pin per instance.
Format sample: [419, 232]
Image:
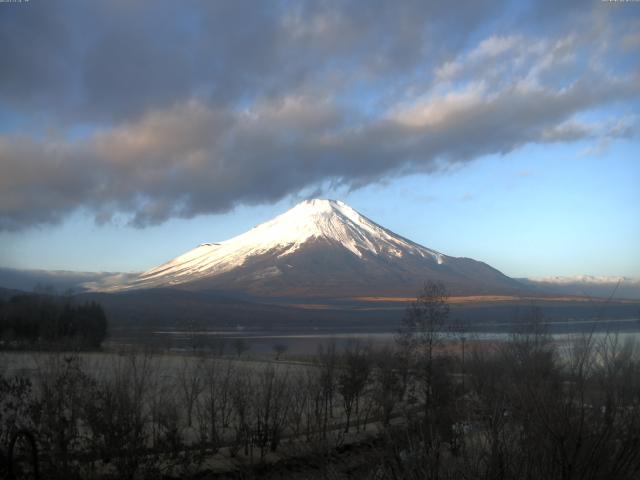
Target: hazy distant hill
[587, 286]
[58, 280]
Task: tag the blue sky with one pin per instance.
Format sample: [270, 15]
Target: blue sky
[506, 132]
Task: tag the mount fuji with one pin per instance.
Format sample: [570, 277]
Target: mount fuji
[320, 248]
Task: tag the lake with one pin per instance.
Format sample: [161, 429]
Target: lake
[307, 341]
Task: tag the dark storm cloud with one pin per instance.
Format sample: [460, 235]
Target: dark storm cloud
[113, 60]
[37, 47]
[197, 107]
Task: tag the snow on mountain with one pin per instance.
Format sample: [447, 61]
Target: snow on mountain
[602, 279]
[316, 245]
[602, 286]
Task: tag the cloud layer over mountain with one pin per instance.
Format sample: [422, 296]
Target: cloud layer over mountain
[152, 110]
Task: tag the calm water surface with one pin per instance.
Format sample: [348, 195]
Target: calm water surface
[308, 341]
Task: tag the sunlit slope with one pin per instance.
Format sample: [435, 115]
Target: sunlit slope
[321, 248]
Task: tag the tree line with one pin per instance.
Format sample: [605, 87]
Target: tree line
[29, 319]
[527, 408]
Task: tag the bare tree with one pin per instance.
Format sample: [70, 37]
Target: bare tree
[117, 414]
[241, 395]
[62, 386]
[353, 377]
[214, 406]
[327, 362]
[240, 346]
[218, 345]
[388, 389]
[420, 336]
[271, 402]
[301, 393]
[191, 384]
[280, 349]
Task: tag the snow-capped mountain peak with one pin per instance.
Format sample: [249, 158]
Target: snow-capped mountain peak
[318, 245]
[331, 220]
[310, 220]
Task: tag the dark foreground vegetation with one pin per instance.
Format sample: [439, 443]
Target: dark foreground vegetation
[40, 320]
[529, 408]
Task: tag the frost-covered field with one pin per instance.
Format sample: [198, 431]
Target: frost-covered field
[132, 406]
[98, 364]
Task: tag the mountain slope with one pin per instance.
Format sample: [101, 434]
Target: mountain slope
[321, 248]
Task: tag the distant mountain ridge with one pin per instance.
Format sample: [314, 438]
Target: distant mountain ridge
[319, 264]
[320, 248]
[615, 287]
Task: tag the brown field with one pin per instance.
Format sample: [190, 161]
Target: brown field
[488, 299]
